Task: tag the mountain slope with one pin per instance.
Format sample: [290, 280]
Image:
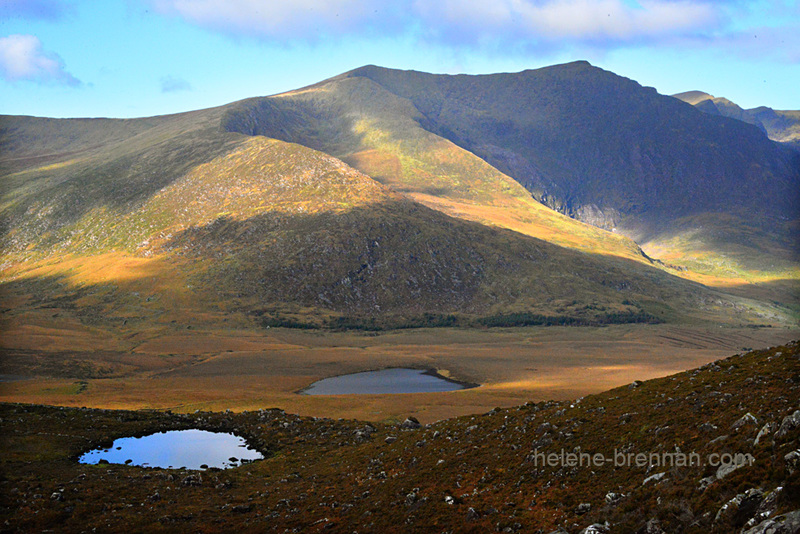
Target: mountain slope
[782, 126]
[713, 196]
[236, 210]
[275, 228]
[379, 133]
[584, 137]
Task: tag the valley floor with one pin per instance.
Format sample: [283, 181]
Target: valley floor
[246, 369]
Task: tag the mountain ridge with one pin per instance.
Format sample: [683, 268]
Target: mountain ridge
[312, 177]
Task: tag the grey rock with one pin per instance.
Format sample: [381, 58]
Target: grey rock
[792, 461]
[766, 508]
[596, 528]
[192, 480]
[583, 508]
[789, 423]
[739, 460]
[654, 478]
[614, 498]
[765, 431]
[706, 482]
[707, 427]
[783, 524]
[411, 423]
[746, 419]
[741, 508]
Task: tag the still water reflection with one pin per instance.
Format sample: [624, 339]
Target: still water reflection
[190, 449]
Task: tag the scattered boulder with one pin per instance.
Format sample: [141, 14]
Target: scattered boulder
[654, 478]
[192, 480]
[411, 423]
[613, 498]
[583, 508]
[783, 524]
[789, 423]
[242, 508]
[746, 419]
[737, 461]
[766, 508]
[706, 482]
[635, 384]
[792, 461]
[766, 430]
[740, 509]
[596, 528]
[707, 427]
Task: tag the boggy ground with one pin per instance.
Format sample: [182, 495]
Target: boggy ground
[479, 473]
[243, 368]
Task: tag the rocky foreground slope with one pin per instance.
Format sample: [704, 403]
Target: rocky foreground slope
[719, 448]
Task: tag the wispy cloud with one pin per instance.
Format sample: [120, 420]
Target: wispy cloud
[172, 84]
[282, 20]
[500, 25]
[33, 9]
[570, 21]
[23, 58]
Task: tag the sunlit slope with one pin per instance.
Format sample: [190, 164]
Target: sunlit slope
[45, 203]
[294, 236]
[380, 134]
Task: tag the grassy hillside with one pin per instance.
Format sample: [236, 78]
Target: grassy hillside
[250, 208]
[478, 473]
[300, 238]
[379, 133]
[583, 141]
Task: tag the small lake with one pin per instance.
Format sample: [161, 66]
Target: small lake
[396, 380]
[189, 449]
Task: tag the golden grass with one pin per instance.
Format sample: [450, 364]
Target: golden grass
[514, 365]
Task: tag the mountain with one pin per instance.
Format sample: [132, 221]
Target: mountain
[707, 194]
[371, 200]
[782, 126]
[713, 449]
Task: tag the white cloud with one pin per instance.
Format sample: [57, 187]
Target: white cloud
[23, 58]
[495, 25]
[565, 20]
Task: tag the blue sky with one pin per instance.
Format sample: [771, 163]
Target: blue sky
[131, 58]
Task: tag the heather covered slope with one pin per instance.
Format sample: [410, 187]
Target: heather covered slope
[481, 473]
